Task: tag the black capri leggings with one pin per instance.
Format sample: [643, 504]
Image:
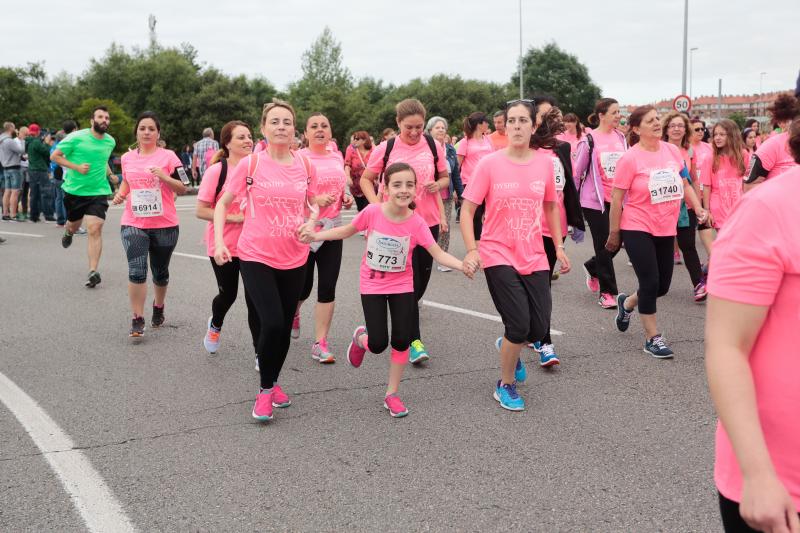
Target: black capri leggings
[274, 294]
[653, 262]
[687, 244]
[328, 259]
[159, 243]
[550, 250]
[228, 285]
[402, 307]
[523, 301]
[422, 263]
[477, 220]
[601, 265]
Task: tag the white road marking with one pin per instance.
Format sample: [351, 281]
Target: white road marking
[470, 312]
[94, 501]
[191, 256]
[20, 234]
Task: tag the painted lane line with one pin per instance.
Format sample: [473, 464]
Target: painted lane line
[191, 256]
[91, 497]
[470, 312]
[20, 234]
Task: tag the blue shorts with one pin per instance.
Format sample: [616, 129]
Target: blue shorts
[12, 178]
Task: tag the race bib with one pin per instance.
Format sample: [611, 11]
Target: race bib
[146, 202]
[558, 172]
[665, 186]
[386, 253]
[608, 160]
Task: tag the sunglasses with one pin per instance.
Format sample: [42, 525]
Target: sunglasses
[512, 103]
[698, 130]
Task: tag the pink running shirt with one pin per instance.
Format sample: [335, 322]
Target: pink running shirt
[774, 155]
[560, 179]
[608, 148]
[330, 179]
[726, 187]
[148, 194]
[514, 193]
[231, 232]
[757, 262]
[472, 150]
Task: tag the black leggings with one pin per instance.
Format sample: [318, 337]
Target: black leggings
[402, 308]
[550, 250]
[422, 263]
[328, 259]
[601, 266]
[687, 244]
[274, 294]
[477, 220]
[228, 285]
[361, 202]
[653, 261]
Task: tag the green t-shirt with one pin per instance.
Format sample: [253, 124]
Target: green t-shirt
[82, 147]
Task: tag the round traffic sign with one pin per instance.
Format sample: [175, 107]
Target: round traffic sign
[682, 103]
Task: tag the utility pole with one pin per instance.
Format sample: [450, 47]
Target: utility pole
[691, 70]
[685, 41]
[719, 101]
[151, 22]
[520, 49]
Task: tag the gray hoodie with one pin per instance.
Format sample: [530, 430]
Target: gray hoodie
[11, 151]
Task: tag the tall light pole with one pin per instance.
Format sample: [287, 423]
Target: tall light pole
[520, 49]
[761, 83]
[691, 70]
[685, 41]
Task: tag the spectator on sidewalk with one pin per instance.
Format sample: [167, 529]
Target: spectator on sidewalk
[204, 150]
[41, 199]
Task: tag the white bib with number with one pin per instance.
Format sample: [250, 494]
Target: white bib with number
[146, 202]
[665, 186]
[608, 160]
[560, 175]
[387, 253]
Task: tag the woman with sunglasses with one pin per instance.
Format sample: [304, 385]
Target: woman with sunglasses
[355, 161]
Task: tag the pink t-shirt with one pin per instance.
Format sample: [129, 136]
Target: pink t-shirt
[775, 156]
[725, 185]
[514, 193]
[148, 194]
[399, 239]
[330, 179]
[231, 232]
[472, 150]
[560, 178]
[608, 148]
[703, 153]
[276, 206]
[649, 177]
[573, 145]
[420, 158]
[757, 262]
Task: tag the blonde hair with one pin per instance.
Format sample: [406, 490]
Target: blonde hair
[409, 107]
[277, 103]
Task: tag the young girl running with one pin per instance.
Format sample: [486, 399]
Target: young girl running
[387, 275]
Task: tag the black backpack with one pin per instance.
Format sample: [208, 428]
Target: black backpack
[431, 145]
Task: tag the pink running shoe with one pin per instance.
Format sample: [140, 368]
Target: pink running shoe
[321, 353]
[355, 352]
[279, 398]
[592, 283]
[296, 326]
[262, 409]
[395, 406]
[607, 301]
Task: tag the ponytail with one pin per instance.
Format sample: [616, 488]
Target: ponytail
[545, 134]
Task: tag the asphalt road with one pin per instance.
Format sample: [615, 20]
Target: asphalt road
[612, 440]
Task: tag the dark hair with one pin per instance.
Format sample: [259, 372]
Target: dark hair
[545, 134]
[601, 107]
[393, 169]
[99, 108]
[794, 140]
[745, 133]
[785, 107]
[572, 117]
[635, 120]
[472, 122]
[225, 137]
[317, 114]
[144, 115]
[69, 126]
[361, 134]
[539, 99]
[748, 124]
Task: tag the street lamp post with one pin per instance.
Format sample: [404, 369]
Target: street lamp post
[520, 50]
[691, 70]
[761, 83]
[685, 42]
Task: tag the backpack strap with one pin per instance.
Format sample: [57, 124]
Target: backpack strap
[223, 175]
[252, 165]
[389, 147]
[432, 146]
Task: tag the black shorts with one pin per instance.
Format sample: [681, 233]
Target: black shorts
[523, 301]
[79, 206]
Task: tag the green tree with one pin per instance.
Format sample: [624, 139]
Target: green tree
[551, 70]
[15, 94]
[739, 119]
[121, 126]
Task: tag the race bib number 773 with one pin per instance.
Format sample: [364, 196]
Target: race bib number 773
[387, 253]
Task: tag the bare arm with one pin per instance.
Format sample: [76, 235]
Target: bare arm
[60, 159]
[367, 187]
[615, 216]
[221, 253]
[204, 211]
[468, 231]
[444, 258]
[334, 234]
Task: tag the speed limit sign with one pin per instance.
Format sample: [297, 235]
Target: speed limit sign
[682, 103]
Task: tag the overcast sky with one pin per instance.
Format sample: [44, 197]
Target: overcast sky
[632, 48]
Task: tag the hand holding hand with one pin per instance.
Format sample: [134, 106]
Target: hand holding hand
[347, 201]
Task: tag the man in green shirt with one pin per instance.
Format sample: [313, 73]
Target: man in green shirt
[85, 153]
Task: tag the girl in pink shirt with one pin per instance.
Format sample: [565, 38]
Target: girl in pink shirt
[150, 222]
[651, 179]
[333, 195]
[773, 156]
[470, 151]
[279, 187]
[428, 160]
[573, 134]
[723, 175]
[387, 274]
[236, 143]
[518, 185]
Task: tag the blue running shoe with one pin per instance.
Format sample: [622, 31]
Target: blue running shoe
[536, 346]
[508, 397]
[547, 356]
[417, 353]
[658, 348]
[623, 318]
[520, 373]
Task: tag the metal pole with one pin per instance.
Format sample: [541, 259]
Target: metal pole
[520, 49]
[691, 71]
[685, 41]
[719, 102]
[761, 83]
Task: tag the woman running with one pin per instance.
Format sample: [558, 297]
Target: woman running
[474, 147]
[279, 187]
[573, 133]
[393, 231]
[518, 186]
[652, 178]
[333, 195]
[149, 224]
[355, 161]
[236, 143]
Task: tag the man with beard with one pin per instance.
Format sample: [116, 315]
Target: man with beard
[85, 154]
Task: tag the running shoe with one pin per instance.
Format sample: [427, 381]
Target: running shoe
[158, 316]
[592, 283]
[262, 409]
[296, 326]
[520, 373]
[66, 240]
[280, 398]
[677, 258]
[700, 292]
[81, 231]
[418, 354]
[93, 280]
[321, 353]
[657, 347]
[442, 268]
[2, 240]
[606, 301]
[395, 406]
[258, 369]
[547, 356]
[535, 346]
[355, 352]
[623, 318]
[508, 397]
[137, 327]
[211, 340]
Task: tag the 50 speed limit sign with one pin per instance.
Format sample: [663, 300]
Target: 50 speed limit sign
[682, 103]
